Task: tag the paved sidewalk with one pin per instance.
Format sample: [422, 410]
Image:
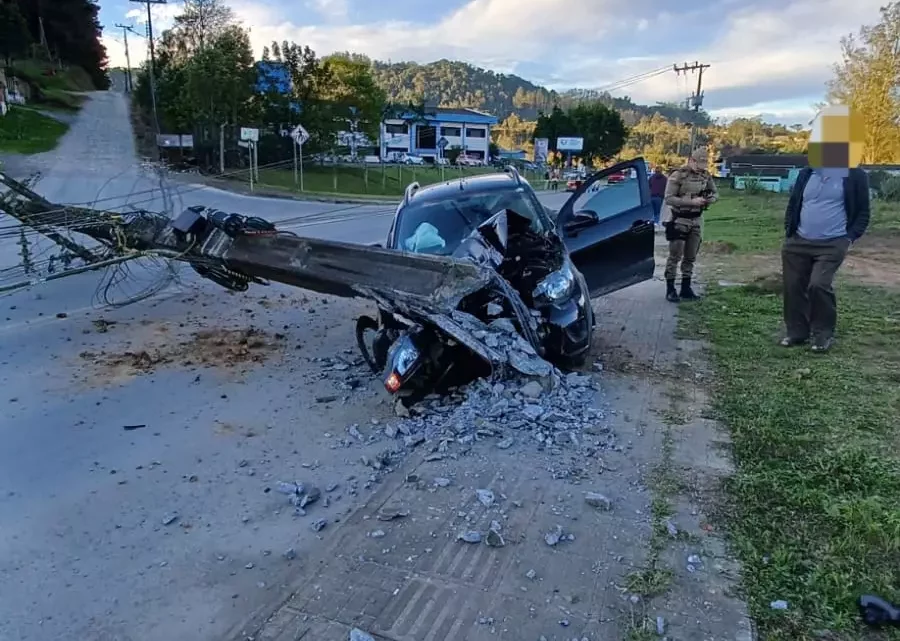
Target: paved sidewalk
[411, 579]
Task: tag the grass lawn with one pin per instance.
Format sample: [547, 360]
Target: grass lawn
[814, 508]
[24, 131]
[391, 181]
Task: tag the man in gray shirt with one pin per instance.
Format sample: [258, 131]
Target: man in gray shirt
[827, 212]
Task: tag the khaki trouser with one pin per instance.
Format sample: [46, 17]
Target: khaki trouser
[684, 250]
[808, 269]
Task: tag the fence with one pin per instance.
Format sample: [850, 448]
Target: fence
[218, 151]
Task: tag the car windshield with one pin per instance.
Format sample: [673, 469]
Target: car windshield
[438, 227]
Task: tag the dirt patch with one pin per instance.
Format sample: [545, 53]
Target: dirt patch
[719, 247]
[765, 284]
[212, 348]
[875, 260]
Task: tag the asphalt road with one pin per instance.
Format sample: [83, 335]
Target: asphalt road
[84, 553]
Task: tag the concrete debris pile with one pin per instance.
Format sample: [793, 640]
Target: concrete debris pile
[526, 399]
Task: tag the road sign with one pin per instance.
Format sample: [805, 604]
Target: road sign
[300, 135]
[248, 133]
[442, 143]
[244, 143]
[569, 144]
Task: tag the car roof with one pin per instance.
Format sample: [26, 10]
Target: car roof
[482, 183]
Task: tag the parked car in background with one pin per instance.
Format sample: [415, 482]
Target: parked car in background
[465, 160]
[412, 159]
[617, 177]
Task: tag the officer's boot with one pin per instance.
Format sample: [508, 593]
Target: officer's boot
[671, 292]
[686, 292]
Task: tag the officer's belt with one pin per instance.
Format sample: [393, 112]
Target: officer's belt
[687, 213]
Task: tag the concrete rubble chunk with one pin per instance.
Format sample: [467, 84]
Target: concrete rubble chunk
[595, 499]
[494, 538]
[485, 497]
[318, 525]
[470, 536]
[532, 389]
[358, 635]
[391, 513]
[441, 482]
[554, 536]
[671, 529]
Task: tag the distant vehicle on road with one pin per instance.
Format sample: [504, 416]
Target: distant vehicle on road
[465, 160]
[412, 159]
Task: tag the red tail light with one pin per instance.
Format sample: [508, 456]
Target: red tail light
[392, 384]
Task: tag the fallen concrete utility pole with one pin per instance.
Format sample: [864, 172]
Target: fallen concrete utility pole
[237, 250]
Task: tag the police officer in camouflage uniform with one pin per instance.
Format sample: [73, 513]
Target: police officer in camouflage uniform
[689, 191]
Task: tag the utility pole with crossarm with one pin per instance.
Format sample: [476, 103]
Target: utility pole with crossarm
[152, 57]
[697, 98]
[129, 82]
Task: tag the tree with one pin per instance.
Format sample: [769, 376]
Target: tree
[557, 124]
[212, 83]
[14, 36]
[602, 128]
[72, 30]
[200, 23]
[309, 78]
[352, 87]
[867, 80]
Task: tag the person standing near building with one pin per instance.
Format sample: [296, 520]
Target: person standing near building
[689, 191]
[827, 212]
[658, 182]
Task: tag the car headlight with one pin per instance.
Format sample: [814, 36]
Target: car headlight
[405, 356]
[557, 286]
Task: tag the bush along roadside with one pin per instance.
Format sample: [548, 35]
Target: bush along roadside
[815, 509]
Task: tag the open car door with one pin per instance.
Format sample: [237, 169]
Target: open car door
[608, 228]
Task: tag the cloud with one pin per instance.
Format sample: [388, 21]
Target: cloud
[331, 9]
[760, 51]
[498, 34]
[163, 15]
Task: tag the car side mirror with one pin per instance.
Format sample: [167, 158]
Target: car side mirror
[582, 219]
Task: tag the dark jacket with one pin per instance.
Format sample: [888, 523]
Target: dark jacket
[856, 203]
[658, 185]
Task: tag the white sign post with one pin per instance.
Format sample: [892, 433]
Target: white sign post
[250, 136]
[300, 136]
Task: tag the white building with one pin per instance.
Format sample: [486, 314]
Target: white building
[465, 129]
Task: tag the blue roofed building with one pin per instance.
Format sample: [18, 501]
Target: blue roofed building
[438, 130]
[272, 76]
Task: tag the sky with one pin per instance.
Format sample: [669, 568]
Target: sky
[769, 58]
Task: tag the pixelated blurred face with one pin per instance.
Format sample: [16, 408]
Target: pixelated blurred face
[837, 138]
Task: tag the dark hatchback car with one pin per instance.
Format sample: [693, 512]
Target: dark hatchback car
[601, 240]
